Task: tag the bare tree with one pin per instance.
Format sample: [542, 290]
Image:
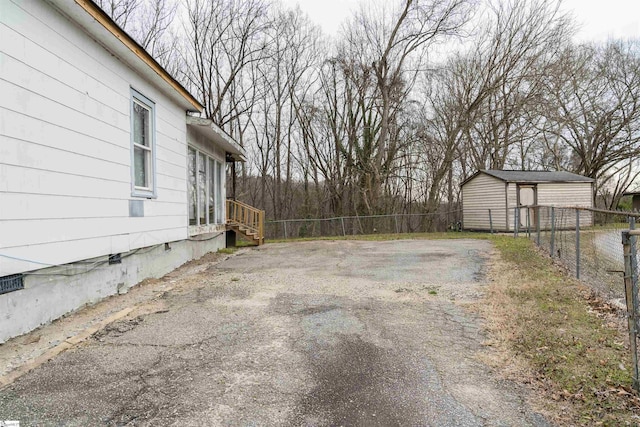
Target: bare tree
[224, 39]
[121, 11]
[149, 22]
[384, 48]
[593, 113]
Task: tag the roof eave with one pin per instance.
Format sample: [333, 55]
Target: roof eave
[97, 23]
[471, 177]
[583, 179]
[209, 130]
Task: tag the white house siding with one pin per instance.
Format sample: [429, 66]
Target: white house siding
[560, 194]
[65, 153]
[478, 196]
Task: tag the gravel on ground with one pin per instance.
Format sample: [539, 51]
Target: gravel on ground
[351, 333]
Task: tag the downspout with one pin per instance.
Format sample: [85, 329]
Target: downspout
[229, 159]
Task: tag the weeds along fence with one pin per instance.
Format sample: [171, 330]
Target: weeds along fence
[588, 242]
[600, 248]
[367, 224]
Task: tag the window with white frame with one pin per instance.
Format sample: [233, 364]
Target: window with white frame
[142, 146]
[204, 189]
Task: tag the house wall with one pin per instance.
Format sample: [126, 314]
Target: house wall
[48, 294]
[65, 172]
[65, 155]
[478, 196]
[201, 143]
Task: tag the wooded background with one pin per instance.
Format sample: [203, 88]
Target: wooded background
[411, 98]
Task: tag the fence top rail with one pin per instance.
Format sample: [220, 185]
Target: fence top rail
[359, 217]
[584, 208]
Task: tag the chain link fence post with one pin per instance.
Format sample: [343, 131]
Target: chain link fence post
[634, 271]
[490, 222]
[552, 244]
[516, 221]
[631, 291]
[578, 243]
[536, 214]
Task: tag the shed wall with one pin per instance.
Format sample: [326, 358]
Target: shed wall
[65, 155]
[578, 194]
[555, 194]
[512, 202]
[478, 196]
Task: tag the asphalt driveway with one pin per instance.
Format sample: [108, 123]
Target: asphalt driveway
[320, 333]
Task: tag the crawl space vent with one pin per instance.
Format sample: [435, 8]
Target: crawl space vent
[11, 283]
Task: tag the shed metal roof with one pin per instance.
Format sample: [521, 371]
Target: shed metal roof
[532, 176]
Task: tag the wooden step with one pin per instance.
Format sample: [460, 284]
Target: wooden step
[245, 220]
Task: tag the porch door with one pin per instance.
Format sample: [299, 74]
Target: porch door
[527, 197]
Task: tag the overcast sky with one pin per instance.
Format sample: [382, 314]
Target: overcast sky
[599, 19]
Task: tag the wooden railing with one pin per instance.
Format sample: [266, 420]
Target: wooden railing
[248, 219]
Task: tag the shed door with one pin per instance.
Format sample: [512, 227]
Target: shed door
[527, 197]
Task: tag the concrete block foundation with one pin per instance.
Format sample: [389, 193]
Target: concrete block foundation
[52, 292]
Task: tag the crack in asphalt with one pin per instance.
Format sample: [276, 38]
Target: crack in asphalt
[300, 339]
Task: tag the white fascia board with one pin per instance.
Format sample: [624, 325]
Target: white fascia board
[210, 131]
[117, 47]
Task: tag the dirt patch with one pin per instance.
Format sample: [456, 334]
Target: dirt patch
[145, 297]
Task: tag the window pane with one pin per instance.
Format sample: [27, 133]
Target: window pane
[140, 166]
[212, 192]
[192, 187]
[219, 201]
[140, 125]
[202, 188]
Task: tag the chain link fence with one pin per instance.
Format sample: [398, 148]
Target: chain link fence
[630, 247]
[596, 246]
[363, 224]
[587, 242]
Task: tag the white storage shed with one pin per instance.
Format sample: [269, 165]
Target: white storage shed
[493, 199]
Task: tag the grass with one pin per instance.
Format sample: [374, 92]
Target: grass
[555, 334]
[227, 251]
[570, 339]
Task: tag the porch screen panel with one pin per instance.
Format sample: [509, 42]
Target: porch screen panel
[219, 201]
[193, 189]
[212, 191]
[202, 189]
